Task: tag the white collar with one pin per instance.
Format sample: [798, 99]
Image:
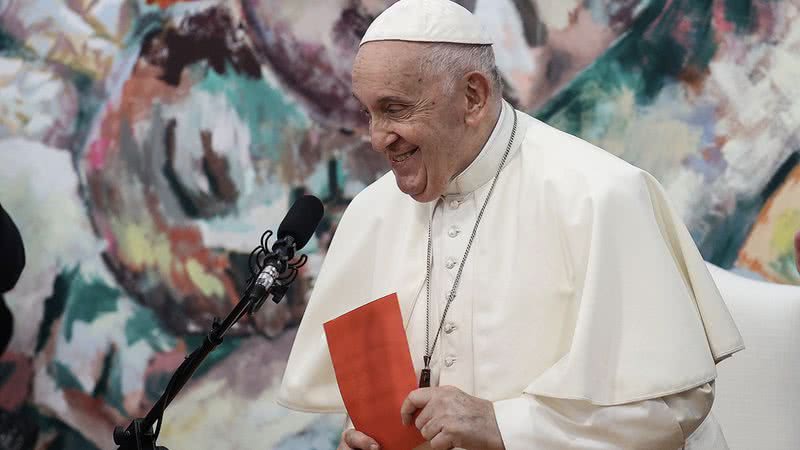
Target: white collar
[485, 165]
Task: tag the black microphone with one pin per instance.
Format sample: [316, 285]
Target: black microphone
[301, 221]
[294, 233]
[12, 261]
[12, 251]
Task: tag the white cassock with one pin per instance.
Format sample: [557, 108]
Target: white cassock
[585, 312]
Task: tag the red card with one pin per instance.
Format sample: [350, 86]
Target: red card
[373, 368]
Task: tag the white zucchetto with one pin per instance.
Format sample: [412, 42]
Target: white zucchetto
[427, 21]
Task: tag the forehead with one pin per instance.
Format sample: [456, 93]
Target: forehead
[388, 67]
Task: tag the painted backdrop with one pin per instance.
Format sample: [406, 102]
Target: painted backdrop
[146, 144]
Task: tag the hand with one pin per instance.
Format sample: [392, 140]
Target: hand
[356, 440]
[450, 418]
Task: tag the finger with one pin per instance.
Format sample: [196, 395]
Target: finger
[424, 416]
[343, 443]
[431, 429]
[417, 399]
[442, 441]
[360, 441]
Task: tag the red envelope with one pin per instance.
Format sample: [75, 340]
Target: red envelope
[373, 368]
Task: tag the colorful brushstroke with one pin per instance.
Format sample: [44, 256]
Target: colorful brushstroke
[166, 3]
[770, 249]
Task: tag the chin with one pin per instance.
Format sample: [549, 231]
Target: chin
[421, 196]
[412, 191]
[424, 197]
[419, 189]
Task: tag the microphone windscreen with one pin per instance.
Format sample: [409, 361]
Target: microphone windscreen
[12, 252]
[301, 220]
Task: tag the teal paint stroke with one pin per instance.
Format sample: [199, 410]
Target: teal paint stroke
[643, 61]
[66, 437]
[652, 56]
[319, 180]
[11, 47]
[86, 301]
[54, 306]
[144, 325]
[785, 265]
[63, 376]
[741, 14]
[90, 103]
[264, 108]
[109, 384]
[114, 394]
[145, 23]
[7, 369]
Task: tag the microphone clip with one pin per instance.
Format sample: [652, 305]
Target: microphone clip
[272, 271]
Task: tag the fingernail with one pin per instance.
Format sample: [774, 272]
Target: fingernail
[374, 447]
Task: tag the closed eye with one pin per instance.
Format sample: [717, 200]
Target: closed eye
[395, 108]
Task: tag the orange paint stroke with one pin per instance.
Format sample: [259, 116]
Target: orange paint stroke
[166, 3]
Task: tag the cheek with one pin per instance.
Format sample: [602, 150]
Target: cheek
[435, 152]
[439, 144]
[445, 147]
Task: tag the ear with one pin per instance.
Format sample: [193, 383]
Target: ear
[478, 91]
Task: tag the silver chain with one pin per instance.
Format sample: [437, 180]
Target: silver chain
[428, 349]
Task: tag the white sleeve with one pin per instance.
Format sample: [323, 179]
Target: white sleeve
[532, 422]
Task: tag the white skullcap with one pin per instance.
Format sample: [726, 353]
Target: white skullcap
[427, 21]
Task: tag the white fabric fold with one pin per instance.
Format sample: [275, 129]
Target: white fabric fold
[646, 303]
[537, 423]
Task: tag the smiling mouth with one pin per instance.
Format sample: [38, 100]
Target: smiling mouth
[404, 156]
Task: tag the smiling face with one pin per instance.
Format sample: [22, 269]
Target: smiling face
[426, 134]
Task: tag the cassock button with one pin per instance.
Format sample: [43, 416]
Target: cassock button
[454, 204]
[449, 361]
[450, 263]
[453, 232]
[449, 327]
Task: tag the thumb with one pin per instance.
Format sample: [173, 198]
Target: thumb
[360, 441]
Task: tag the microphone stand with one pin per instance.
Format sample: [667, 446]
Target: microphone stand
[139, 435]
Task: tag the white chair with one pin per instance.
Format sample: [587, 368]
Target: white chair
[757, 399]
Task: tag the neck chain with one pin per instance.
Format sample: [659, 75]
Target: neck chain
[425, 376]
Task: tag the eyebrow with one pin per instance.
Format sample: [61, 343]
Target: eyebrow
[392, 98]
[384, 100]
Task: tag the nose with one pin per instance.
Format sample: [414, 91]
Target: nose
[381, 136]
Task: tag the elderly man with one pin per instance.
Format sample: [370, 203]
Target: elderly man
[551, 297]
